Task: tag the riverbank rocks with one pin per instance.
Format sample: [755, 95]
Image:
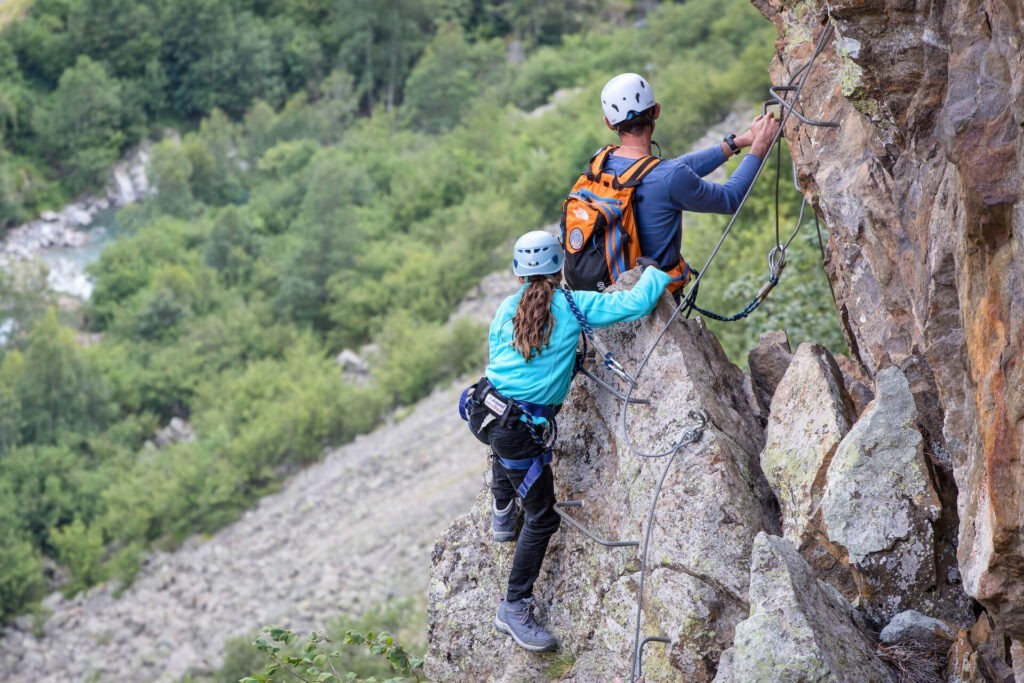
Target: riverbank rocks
[799, 629]
[67, 228]
[712, 503]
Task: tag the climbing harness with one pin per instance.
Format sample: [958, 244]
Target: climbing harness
[481, 405]
[503, 408]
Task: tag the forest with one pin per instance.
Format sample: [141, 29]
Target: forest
[329, 176]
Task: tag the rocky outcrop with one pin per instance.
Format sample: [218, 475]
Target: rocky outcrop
[713, 502]
[879, 506]
[800, 628]
[921, 189]
[768, 363]
[810, 415]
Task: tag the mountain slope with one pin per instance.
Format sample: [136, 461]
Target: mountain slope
[346, 533]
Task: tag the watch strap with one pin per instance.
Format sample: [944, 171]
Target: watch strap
[730, 140]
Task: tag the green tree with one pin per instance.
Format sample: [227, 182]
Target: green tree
[327, 236]
[58, 389]
[233, 246]
[80, 124]
[447, 78]
[122, 34]
[21, 567]
[80, 549]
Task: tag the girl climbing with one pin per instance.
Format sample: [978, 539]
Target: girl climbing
[532, 344]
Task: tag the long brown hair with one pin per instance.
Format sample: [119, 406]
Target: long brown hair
[533, 320]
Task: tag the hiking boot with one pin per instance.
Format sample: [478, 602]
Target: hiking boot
[503, 522]
[516, 619]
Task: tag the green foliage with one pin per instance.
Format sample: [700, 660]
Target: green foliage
[418, 356]
[81, 550]
[316, 660]
[801, 304]
[344, 173]
[58, 390]
[21, 580]
[448, 77]
[80, 125]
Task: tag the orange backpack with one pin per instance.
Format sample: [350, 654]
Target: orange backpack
[599, 225]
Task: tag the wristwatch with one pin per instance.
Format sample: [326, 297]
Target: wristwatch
[730, 140]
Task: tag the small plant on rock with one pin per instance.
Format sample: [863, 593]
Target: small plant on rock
[315, 660]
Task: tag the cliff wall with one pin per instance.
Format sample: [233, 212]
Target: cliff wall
[921, 189]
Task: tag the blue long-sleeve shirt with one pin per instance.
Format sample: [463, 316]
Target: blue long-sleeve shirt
[677, 185]
[546, 377]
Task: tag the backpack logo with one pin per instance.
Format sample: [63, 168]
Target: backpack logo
[576, 237]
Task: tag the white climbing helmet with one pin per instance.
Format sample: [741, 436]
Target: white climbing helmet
[537, 253]
[625, 96]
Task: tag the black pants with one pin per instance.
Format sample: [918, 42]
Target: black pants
[540, 520]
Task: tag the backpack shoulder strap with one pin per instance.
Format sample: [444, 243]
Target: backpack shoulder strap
[594, 168]
[633, 175]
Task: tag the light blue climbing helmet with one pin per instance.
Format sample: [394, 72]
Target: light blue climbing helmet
[537, 253]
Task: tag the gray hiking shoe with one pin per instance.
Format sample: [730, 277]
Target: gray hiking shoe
[516, 619]
[503, 522]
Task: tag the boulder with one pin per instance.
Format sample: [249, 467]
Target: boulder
[915, 627]
[713, 502]
[880, 509]
[176, 431]
[811, 413]
[799, 629]
[78, 215]
[350, 362]
[767, 364]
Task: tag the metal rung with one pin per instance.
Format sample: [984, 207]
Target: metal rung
[612, 390]
[774, 92]
[585, 530]
[640, 652]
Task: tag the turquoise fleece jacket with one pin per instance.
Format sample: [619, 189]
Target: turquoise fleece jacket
[546, 377]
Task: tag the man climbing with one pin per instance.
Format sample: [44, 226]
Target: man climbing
[675, 185]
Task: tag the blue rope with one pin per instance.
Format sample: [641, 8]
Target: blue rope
[588, 331]
[751, 307]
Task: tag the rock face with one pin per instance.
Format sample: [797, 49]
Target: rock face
[800, 628]
[768, 363]
[921, 189]
[713, 503]
[810, 415]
